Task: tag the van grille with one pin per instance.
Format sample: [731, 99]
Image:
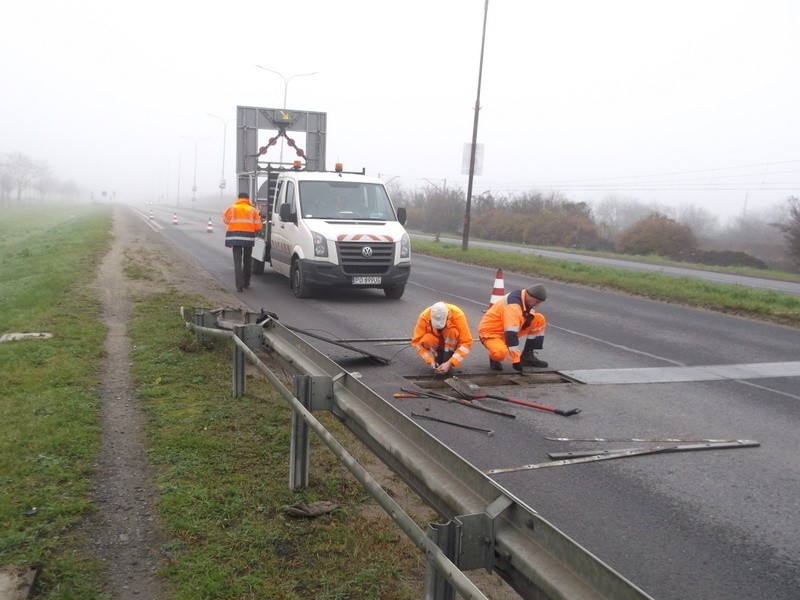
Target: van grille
[355, 263]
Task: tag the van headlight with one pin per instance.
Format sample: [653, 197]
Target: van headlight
[405, 246]
[320, 244]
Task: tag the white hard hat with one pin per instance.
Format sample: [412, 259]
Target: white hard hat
[439, 314]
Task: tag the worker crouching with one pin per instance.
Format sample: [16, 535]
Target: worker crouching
[511, 327]
[442, 337]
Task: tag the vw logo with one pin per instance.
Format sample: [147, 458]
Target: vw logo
[366, 252]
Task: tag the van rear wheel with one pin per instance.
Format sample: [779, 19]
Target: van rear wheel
[395, 292]
[297, 279]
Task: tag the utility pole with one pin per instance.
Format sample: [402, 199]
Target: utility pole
[465, 237]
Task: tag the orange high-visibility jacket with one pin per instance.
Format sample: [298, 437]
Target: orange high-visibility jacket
[455, 337]
[508, 319]
[243, 223]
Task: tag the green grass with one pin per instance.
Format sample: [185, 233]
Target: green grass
[733, 299]
[223, 477]
[221, 464]
[48, 405]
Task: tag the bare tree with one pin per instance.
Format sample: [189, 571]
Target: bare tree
[791, 229]
[22, 169]
[43, 180]
[70, 191]
[6, 182]
[702, 222]
[613, 214]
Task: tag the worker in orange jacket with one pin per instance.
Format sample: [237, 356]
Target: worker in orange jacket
[442, 337]
[511, 327]
[244, 223]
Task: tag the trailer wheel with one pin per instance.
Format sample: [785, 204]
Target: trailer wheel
[395, 292]
[256, 266]
[297, 279]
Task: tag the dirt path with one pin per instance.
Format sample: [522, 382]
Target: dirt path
[124, 531]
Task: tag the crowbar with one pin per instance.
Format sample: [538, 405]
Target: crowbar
[488, 432]
[466, 390]
[429, 394]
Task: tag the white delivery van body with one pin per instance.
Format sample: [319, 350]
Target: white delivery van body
[334, 229]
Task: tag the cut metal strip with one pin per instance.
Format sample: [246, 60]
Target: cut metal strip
[595, 457]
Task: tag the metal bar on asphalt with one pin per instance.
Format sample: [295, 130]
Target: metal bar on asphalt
[488, 432]
[376, 357]
[624, 454]
[655, 440]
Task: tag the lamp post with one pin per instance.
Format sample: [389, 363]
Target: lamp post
[194, 180]
[443, 191]
[224, 138]
[286, 81]
[178, 193]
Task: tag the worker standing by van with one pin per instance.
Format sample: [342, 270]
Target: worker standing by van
[442, 337]
[244, 223]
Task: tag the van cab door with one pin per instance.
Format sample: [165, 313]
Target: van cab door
[284, 229]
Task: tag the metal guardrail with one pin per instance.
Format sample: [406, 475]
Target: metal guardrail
[487, 526]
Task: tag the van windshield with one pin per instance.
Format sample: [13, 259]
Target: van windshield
[345, 200]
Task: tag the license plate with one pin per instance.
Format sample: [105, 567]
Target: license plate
[366, 280]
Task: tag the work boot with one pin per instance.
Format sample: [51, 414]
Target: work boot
[529, 359]
[495, 365]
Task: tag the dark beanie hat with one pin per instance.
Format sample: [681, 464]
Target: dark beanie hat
[537, 291]
[244, 195]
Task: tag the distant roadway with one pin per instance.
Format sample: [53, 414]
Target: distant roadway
[710, 276]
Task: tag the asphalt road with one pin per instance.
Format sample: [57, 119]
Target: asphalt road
[715, 525]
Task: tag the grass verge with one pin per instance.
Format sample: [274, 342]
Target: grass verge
[221, 464]
[734, 299]
[222, 468]
[49, 411]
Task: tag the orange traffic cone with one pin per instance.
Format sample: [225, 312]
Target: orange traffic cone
[175, 219]
[499, 289]
[210, 228]
[151, 215]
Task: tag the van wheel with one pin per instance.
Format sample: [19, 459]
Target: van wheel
[394, 292]
[300, 287]
[256, 266]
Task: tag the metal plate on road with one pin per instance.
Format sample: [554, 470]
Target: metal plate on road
[678, 374]
[366, 280]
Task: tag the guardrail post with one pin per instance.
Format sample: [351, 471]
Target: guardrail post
[298, 449]
[447, 536]
[239, 363]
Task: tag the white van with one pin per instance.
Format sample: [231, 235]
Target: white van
[334, 229]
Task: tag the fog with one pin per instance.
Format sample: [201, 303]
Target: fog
[686, 104]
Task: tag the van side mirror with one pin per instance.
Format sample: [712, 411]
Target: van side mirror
[286, 215]
[401, 214]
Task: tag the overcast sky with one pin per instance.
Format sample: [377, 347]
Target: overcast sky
[679, 102]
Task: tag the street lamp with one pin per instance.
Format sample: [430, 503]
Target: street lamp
[286, 80]
[178, 194]
[224, 138]
[194, 181]
[443, 191]
[285, 90]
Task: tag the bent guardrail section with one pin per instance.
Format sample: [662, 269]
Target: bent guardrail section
[488, 527]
